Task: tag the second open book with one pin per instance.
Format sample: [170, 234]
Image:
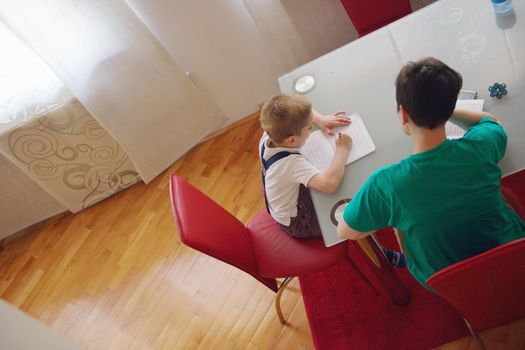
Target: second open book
[455, 131]
[319, 148]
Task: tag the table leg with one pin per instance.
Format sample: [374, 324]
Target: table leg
[383, 270]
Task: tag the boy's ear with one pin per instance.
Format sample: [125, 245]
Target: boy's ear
[290, 141]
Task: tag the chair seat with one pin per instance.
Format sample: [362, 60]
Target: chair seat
[206, 226]
[279, 255]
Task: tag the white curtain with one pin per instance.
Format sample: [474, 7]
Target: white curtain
[219, 43]
[113, 65]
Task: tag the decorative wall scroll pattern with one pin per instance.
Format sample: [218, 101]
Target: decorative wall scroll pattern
[69, 154]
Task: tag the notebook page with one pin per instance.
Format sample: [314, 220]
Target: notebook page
[362, 143]
[454, 131]
[319, 148]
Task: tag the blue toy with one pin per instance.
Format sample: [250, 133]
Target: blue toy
[498, 90]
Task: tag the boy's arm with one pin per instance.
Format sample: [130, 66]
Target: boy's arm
[329, 180]
[466, 119]
[328, 122]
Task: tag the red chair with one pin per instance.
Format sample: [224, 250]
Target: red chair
[487, 289]
[260, 249]
[368, 16]
[513, 200]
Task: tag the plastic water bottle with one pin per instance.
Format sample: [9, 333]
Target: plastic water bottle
[502, 6]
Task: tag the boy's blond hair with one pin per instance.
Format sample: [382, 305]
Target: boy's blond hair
[285, 115]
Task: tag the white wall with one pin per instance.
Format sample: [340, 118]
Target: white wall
[22, 201]
[298, 31]
[18, 331]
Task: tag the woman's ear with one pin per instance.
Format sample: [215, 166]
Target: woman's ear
[403, 115]
[404, 119]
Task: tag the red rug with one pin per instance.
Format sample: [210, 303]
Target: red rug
[345, 312]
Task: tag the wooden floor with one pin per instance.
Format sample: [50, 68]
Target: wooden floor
[115, 276]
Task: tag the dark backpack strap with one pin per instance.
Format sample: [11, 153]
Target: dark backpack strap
[266, 164]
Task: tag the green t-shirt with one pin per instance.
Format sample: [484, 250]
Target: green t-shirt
[446, 201]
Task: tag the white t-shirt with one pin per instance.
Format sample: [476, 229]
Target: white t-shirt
[283, 180]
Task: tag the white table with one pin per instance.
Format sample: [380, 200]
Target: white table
[465, 34]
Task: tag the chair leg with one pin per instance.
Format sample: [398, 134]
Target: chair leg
[475, 335]
[360, 273]
[278, 299]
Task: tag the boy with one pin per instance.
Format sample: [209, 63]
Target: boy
[287, 174]
[444, 200]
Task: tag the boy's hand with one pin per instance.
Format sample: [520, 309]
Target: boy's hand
[344, 140]
[329, 180]
[328, 122]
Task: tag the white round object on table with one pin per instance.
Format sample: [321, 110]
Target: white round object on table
[304, 84]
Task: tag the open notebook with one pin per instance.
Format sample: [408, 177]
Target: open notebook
[320, 148]
[454, 131]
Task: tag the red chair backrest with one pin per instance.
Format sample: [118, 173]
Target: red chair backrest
[368, 16]
[512, 198]
[206, 226]
[489, 288]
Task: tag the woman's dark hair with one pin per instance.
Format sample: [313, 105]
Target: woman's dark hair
[428, 90]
